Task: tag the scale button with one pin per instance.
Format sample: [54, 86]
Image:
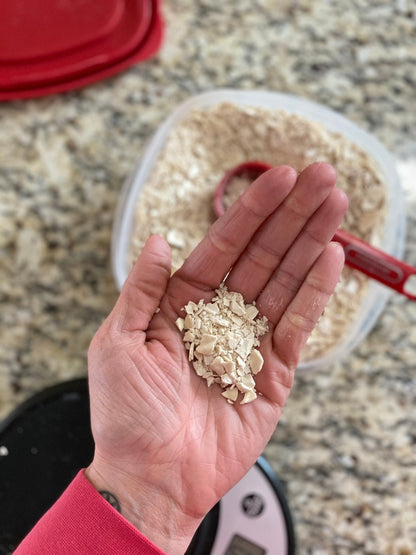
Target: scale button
[253, 504]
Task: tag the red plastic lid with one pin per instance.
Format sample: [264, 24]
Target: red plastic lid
[71, 43]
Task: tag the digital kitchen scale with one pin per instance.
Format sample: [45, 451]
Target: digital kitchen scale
[253, 518]
[47, 439]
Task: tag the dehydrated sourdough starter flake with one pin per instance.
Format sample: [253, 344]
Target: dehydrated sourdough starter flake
[221, 337]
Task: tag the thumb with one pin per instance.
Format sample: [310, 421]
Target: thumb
[145, 286]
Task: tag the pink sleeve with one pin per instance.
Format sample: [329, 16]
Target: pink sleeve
[81, 522]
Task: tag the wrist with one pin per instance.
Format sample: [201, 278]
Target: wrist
[147, 507]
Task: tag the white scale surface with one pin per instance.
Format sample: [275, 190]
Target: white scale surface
[251, 520]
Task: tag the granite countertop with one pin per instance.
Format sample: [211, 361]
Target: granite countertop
[345, 448]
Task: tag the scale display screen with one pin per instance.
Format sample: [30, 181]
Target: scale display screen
[242, 546]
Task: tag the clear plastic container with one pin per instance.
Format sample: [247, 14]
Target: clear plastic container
[393, 238]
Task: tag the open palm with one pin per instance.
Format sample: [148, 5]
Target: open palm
[175, 445]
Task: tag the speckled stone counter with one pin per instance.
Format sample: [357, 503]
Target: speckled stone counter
[346, 445]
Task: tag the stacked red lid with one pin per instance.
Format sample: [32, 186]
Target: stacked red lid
[57, 45]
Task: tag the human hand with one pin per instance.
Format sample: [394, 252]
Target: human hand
[167, 446]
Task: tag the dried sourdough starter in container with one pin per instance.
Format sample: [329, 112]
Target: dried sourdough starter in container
[176, 201]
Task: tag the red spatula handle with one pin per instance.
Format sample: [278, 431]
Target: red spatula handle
[376, 263]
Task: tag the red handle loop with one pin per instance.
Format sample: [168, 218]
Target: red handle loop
[254, 167]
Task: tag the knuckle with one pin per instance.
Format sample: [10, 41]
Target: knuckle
[301, 322]
[263, 256]
[286, 279]
[221, 241]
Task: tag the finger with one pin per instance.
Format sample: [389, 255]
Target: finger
[302, 314]
[211, 260]
[145, 286]
[308, 246]
[271, 242]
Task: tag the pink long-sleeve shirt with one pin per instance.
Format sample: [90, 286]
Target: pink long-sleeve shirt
[82, 522]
